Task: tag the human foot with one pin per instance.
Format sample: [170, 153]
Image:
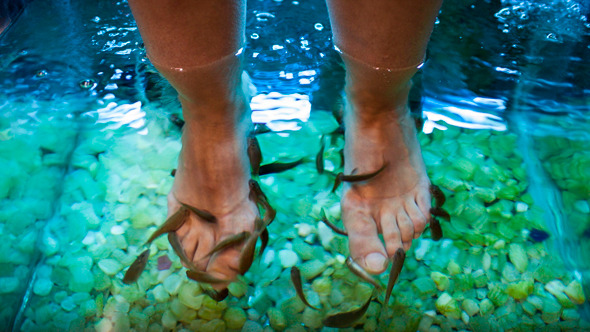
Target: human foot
[396, 201]
[213, 175]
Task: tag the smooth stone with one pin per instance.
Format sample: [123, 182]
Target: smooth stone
[42, 287]
[8, 285]
[110, 266]
[288, 258]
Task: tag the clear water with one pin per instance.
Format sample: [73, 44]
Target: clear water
[86, 147]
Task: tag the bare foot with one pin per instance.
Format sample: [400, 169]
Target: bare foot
[396, 201]
[212, 175]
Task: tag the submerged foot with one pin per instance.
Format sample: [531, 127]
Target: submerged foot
[396, 201]
[212, 175]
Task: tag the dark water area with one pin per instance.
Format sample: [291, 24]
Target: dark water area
[85, 134]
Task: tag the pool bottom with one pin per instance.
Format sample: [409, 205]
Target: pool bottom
[486, 274]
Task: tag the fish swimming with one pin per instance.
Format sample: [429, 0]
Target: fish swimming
[439, 212]
[179, 250]
[361, 273]
[247, 254]
[136, 268]
[254, 154]
[172, 224]
[319, 159]
[347, 319]
[296, 279]
[230, 241]
[341, 177]
[205, 277]
[439, 196]
[278, 167]
[203, 214]
[398, 262]
[333, 227]
[435, 229]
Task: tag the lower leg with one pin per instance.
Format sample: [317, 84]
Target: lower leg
[195, 45]
[382, 43]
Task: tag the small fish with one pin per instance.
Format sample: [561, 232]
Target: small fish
[269, 215]
[172, 224]
[439, 196]
[173, 172]
[256, 193]
[258, 196]
[335, 228]
[361, 273]
[347, 319]
[136, 267]
[439, 212]
[216, 295]
[175, 118]
[263, 241]
[538, 235]
[277, 167]
[247, 255]
[319, 159]
[228, 242]
[205, 277]
[296, 279]
[254, 154]
[435, 229]
[396, 267]
[179, 250]
[203, 214]
[340, 177]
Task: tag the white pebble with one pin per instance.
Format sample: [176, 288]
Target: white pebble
[326, 235]
[268, 257]
[288, 258]
[110, 266]
[89, 239]
[304, 230]
[117, 230]
[521, 207]
[422, 249]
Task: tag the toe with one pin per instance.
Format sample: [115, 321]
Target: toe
[417, 217]
[423, 202]
[406, 228]
[365, 246]
[391, 232]
[224, 265]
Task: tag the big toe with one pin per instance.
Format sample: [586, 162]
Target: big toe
[365, 246]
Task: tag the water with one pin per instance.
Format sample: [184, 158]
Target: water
[86, 148]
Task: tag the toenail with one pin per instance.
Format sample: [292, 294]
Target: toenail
[375, 262]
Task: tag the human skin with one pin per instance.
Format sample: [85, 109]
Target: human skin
[193, 45]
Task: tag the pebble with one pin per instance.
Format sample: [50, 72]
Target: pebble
[42, 287]
[303, 229]
[172, 284]
[521, 207]
[117, 230]
[582, 206]
[110, 266]
[288, 258]
[234, 318]
[422, 249]
[8, 285]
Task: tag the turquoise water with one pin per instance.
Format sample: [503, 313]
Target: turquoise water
[87, 145]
